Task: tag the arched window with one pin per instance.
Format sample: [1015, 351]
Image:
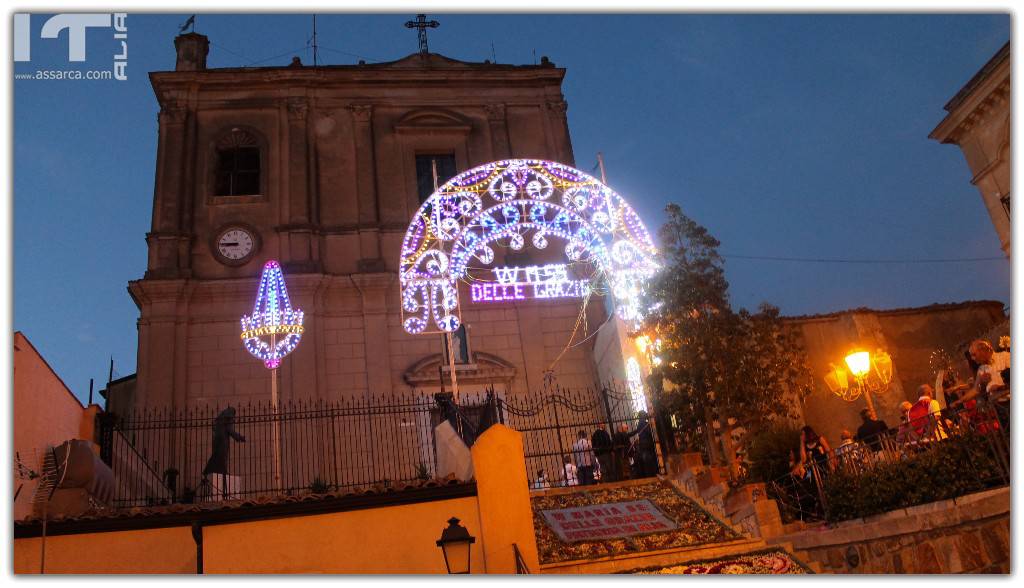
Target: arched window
[238, 164]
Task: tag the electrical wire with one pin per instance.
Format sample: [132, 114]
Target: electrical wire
[235, 53]
[866, 261]
[285, 54]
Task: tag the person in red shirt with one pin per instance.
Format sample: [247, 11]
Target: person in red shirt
[925, 415]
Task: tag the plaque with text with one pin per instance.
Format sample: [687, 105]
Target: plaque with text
[607, 521]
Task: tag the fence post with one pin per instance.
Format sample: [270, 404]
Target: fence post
[816, 470]
[105, 426]
[558, 432]
[607, 408]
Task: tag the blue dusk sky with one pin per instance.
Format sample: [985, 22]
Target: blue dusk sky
[785, 135]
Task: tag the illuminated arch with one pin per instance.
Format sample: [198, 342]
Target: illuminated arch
[510, 203]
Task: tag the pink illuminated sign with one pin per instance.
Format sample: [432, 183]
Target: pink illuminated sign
[520, 283]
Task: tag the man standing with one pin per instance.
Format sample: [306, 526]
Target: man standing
[584, 455]
[601, 441]
[871, 430]
[620, 452]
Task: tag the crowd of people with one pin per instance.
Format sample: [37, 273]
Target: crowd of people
[602, 457]
[968, 407]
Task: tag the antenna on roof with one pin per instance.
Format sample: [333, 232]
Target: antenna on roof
[494, 58]
[316, 52]
[535, 57]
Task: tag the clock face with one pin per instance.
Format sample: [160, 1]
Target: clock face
[236, 244]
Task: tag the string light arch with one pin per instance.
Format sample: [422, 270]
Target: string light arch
[511, 204]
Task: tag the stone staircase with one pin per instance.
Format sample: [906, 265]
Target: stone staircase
[747, 509]
[741, 512]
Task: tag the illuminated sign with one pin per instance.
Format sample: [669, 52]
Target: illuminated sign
[536, 281]
[510, 205]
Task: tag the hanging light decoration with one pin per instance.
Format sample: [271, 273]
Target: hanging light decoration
[519, 203]
[273, 329]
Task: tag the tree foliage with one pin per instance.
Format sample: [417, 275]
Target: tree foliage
[721, 364]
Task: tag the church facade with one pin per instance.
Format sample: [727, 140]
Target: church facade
[322, 168]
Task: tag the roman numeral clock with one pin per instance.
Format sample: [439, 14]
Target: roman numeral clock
[235, 244]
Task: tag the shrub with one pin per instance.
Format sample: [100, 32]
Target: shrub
[319, 486]
[952, 468]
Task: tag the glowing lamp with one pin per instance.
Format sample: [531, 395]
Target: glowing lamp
[642, 343]
[836, 380]
[883, 367]
[859, 363]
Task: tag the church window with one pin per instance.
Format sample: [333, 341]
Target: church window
[425, 176]
[238, 164]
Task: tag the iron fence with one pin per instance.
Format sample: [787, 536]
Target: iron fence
[551, 424]
[215, 453]
[978, 438]
[165, 456]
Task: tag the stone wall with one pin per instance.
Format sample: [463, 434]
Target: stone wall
[970, 534]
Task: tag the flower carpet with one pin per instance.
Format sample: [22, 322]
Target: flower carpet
[696, 526]
[770, 562]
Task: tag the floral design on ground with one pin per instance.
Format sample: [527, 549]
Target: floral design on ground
[772, 562]
[696, 526]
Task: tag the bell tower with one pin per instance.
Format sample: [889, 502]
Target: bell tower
[321, 169]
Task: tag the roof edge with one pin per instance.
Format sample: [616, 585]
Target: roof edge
[936, 307]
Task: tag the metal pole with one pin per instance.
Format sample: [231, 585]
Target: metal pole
[448, 334]
[451, 366]
[277, 420]
[600, 163]
[867, 398]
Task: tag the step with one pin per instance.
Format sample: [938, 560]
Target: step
[646, 559]
[713, 509]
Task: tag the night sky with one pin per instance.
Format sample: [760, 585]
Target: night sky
[787, 136]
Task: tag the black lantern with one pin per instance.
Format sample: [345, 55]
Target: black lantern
[455, 544]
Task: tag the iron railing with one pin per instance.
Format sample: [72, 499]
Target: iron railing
[551, 423]
[983, 431]
[521, 567]
[167, 456]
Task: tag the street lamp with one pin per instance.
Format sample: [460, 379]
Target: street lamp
[861, 365]
[455, 544]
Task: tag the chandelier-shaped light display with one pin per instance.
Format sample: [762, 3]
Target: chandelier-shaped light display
[273, 329]
[507, 204]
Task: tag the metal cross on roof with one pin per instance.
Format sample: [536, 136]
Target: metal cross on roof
[422, 24]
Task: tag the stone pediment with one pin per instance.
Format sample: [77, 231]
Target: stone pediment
[419, 61]
[485, 369]
[433, 120]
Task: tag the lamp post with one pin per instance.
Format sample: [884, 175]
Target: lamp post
[456, 546]
[272, 316]
[862, 366]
